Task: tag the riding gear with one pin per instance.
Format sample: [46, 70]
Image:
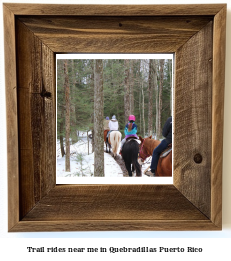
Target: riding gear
[150, 173]
[132, 118]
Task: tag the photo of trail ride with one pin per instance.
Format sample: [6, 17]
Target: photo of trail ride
[112, 117]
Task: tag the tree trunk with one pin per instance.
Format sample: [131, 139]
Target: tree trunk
[126, 91]
[67, 116]
[131, 82]
[61, 146]
[92, 115]
[98, 119]
[73, 112]
[155, 65]
[87, 143]
[160, 94]
[142, 90]
[140, 112]
[61, 138]
[150, 97]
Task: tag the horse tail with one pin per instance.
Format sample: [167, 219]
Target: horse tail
[137, 168]
[116, 144]
[116, 141]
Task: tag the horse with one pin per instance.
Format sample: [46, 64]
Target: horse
[164, 167]
[130, 153]
[113, 142]
[147, 146]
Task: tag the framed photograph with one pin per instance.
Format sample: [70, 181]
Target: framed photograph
[139, 84]
[34, 34]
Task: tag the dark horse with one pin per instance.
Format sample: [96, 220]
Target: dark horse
[130, 153]
[164, 167]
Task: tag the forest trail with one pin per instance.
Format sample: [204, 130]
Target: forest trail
[120, 162]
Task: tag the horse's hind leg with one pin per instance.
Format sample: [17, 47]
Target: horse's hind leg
[128, 167]
[109, 147]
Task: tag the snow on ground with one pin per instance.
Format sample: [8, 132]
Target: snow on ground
[82, 164]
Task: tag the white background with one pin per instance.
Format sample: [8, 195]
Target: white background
[215, 244]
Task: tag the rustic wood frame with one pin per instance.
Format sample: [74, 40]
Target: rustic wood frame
[33, 34]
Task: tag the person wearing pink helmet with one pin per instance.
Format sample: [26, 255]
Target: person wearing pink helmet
[130, 130]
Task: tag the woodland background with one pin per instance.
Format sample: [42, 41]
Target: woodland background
[142, 87]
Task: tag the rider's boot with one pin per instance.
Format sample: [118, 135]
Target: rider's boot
[150, 173]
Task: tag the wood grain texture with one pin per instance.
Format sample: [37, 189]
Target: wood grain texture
[194, 201]
[114, 225]
[98, 202]
[36, 92]
[11, 116]
[193, 126]
[115, 10]
[218, 114]
[115, 34]
[96, 208]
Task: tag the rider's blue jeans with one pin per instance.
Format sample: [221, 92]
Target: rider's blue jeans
[156, 154]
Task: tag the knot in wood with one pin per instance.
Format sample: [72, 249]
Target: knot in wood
[45, 94]
[198, 158]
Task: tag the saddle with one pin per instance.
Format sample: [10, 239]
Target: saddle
[109, 132]
[131, 138]
[166, 151]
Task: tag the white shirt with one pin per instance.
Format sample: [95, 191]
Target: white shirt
[113, 125]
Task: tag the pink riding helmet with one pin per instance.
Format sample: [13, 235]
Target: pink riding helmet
[132, 118]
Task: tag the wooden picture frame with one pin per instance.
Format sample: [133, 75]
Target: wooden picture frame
[33, 34]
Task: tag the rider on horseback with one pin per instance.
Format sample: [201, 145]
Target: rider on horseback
[167, 133]
[106, 123]
[130, 130]
[113, 125]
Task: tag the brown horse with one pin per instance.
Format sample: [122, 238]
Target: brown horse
[113, 142]
[164, 167]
